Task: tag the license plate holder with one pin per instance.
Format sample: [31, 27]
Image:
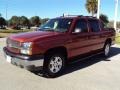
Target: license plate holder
[8, 59]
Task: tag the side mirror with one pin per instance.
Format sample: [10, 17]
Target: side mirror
[77, 30]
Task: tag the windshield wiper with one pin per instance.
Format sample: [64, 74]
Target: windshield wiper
[49, 30]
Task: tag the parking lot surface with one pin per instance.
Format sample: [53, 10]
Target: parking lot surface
[96, 73]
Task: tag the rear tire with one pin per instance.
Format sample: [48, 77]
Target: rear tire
[54, 65]
[107, 49]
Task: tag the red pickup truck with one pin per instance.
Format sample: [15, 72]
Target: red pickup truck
[57, 41]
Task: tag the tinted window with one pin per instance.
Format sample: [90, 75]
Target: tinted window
[94, 25]
[82, 24]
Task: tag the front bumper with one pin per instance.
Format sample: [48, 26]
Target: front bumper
[30, 63]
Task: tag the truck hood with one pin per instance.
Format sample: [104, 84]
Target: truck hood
[31, 36]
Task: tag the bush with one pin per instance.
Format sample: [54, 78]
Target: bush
[117, 39]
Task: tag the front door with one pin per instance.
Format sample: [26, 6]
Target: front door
[79, 39]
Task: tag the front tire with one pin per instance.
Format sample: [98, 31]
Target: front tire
[54, 65]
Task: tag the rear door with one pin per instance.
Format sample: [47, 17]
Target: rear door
[96, 42]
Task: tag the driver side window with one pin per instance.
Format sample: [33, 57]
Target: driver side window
[81, 26]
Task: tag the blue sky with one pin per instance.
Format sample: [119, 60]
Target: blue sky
[53, 8]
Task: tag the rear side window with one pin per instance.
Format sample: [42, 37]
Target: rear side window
[81, 24]
[94, 25]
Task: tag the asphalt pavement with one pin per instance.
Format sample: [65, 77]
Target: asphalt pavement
[96, 73]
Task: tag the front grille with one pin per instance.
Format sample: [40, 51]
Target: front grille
[13, 46]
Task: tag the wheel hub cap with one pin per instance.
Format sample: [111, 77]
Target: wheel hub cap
[107, 49]
[55, 64]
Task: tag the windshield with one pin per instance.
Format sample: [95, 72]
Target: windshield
[60, 25]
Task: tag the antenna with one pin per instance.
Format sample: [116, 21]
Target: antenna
[6, 10]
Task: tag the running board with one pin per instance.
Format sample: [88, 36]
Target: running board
[81, 59]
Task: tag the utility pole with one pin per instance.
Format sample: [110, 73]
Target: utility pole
[98, 9]
[116, 13]
[6, 10]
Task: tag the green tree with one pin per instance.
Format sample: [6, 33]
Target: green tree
[0, 15]
[91, 6]
[24, 21]
[35, 21]
[104, 18]
[14, 22]
[2, 22]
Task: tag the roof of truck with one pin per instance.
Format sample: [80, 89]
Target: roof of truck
[76, 16]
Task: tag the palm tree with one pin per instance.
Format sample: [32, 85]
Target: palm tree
[91, 6]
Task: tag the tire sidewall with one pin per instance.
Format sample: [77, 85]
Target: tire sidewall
[106, 44]
[47, 62]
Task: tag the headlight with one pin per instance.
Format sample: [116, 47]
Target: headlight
[26, 48]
